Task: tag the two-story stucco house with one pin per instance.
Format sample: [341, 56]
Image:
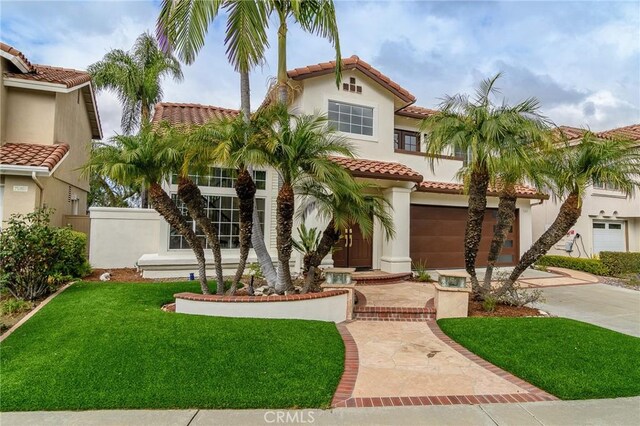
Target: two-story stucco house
[610, 220]
[380, 119]
[48, 116]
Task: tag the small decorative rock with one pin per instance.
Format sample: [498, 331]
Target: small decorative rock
[105, 277]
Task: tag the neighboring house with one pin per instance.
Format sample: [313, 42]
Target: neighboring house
[379, 117]
[610, 220]
[48, 116]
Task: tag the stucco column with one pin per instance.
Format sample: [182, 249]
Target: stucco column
[395, 252]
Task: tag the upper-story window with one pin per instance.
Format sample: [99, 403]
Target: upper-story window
[350, 118]
[406, 140]
[219, 177]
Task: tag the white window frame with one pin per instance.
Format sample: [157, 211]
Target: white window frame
[356, 136]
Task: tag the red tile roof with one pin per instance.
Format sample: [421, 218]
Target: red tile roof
[15, 52]
[360, 167]
[415, 111]
[46, 74]
[631, 132]
[570, 132]
[457, 188]
[351, 63]
[32, 155]
[190, 114]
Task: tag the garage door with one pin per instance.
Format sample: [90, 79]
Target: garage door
[608, 236]
[437, 237]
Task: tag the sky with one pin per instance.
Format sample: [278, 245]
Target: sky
[580, 59]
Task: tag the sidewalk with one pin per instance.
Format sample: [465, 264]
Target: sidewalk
[621, 411]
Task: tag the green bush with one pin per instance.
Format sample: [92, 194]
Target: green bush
[619, 263]
[34, 256]
[592, 266]
[421, 271]
[14, 306]
[72, 259]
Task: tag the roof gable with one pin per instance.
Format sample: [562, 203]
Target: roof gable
[353, 63]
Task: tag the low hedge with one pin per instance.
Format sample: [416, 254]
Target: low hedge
[592, 266]
[618, 263]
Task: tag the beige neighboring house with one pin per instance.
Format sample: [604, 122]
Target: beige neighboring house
[48, 116]
[610, 220]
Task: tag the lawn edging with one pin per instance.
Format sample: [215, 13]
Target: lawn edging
[35, 311]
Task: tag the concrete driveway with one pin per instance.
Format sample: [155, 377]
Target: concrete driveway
[607, 306]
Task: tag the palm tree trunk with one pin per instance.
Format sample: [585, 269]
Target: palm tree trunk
[257, 237]
[165, 206]
[569, 214]
[506, 218]
[284, 227]
[144, 118]
[330, 236]
[282, 60]
[191, 196]
[246, 191]
[473, 232]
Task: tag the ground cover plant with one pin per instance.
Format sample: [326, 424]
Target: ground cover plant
[567, 358]
[109, 345]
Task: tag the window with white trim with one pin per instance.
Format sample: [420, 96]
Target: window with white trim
[351, 118]
[224, 213]
[219, 177]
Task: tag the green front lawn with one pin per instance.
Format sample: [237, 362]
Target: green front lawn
[108, 345]
[569, 359]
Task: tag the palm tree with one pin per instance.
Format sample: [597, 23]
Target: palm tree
[183, 25]
[145, 159]
[233, 143]
[519, 162]
[135, 77]
[478, 127]
[352, 202]
[571, 170]
[301, 151]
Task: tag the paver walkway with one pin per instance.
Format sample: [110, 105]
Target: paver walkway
[406, 359]
[392, 361]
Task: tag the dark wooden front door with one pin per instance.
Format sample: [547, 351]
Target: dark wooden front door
[437, 237]
[353, 250]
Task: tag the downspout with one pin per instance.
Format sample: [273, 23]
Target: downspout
[37, 182]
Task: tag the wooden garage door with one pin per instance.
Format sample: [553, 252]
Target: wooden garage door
[437, 237]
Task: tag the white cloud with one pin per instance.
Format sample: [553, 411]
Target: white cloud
[581, 59]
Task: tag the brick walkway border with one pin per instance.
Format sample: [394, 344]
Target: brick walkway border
[343, 395]
[351, 364]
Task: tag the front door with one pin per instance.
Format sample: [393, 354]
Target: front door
[353, 250]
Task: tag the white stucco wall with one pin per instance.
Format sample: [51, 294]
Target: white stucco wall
[597, 205]
[120, 236]
[331, 309]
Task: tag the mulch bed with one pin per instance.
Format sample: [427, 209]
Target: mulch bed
[127, 275]
[476, 310]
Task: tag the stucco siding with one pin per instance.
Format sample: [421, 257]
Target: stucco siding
[599, 205]
[30, 116]
[21, 195]
[72, 127]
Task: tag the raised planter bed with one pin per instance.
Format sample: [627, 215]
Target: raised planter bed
[331, 306]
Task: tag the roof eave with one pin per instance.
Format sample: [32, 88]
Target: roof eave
[11, 169]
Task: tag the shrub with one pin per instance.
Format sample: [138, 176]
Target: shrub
[421, 271]
[592, 266]
[34, 256]
[72, 259]
[489, 304]
[14, 306]
[619, 263]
